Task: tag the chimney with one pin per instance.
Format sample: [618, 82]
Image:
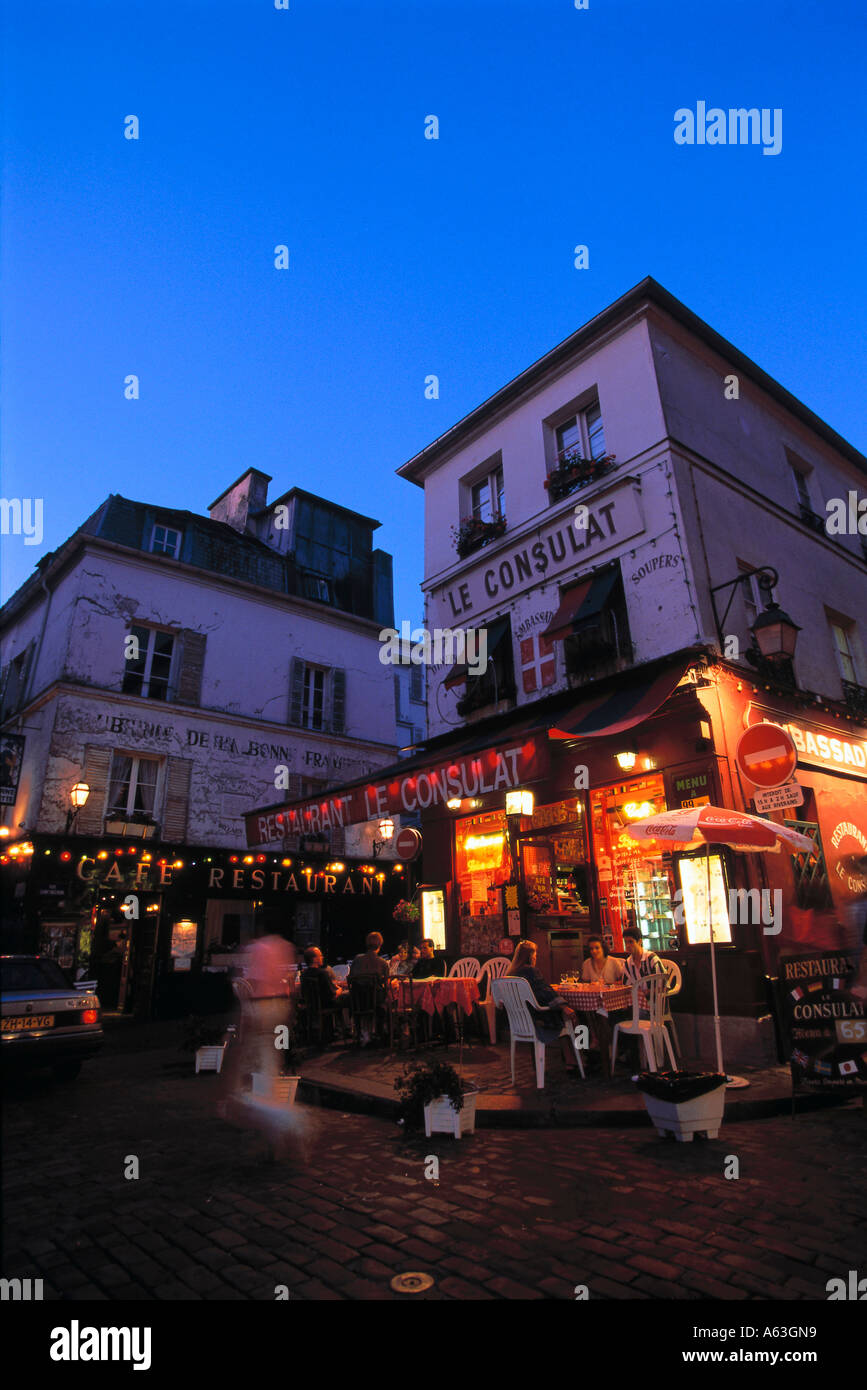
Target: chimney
[248, 494]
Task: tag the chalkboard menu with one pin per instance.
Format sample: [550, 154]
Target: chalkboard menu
[824, 1019]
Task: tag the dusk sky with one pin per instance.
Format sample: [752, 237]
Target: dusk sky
[407, 256]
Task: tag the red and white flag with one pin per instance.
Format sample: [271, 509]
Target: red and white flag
[538, 662]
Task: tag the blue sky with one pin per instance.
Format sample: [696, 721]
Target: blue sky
[407, 256]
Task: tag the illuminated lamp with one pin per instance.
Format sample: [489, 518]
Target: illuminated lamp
[65, 856]
[638, 810]
[132, 850]
[233, 858]
[279, 818]
[260, 859]
[519, 803]
[4, 832]
[118, 851]
[103, 854]
[397, 868]
[454, 803]
[287, 863]
[626, 760]
[178, 864]
[248, 858]
[4, 858]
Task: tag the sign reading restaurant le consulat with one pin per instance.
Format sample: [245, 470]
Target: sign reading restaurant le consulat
[612, 518]
[497, 768]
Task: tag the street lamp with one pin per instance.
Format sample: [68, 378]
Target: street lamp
[519, 803]
[386, 832]
[774, 633]
[78, 796]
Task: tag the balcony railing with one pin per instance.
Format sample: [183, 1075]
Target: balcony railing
[574, 472]
[812, 519]
[855, 697]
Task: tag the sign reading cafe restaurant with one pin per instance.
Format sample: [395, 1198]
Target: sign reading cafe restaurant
[489, 771]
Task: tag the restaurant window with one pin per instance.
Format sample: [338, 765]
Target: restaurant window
[636, 887]
[148, 663]
[554, 864]
[497, 681]
[593, 624]
[482, 867]
[487, 497]
[842, 636]
[132, 785]
[583, 435]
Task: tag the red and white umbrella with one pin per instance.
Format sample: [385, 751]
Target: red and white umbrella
[714, 825]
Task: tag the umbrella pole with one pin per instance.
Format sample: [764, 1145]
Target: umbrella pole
[716, 1027]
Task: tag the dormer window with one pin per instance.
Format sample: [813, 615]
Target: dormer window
[165, 541]
[316, 586]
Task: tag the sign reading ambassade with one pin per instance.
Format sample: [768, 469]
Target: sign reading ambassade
[611, 519]
[494, 769]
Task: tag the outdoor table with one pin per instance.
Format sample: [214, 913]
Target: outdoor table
[436, 994]
[599, 1000]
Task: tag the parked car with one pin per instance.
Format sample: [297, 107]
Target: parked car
[46, 1019]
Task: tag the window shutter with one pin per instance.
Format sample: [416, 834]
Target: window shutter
[296, 691]
[177, 799]
[192, 664]
[338, 701]
[97, 765]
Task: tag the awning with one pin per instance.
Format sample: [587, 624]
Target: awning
[496, 631]
[580, 604]
[632, 700]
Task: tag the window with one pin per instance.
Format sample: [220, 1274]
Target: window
[132, 785]
[148, 663]
[397, 696]
[800, 480]
[15, 681]
[487, 496]
[416, 684]
[165, 541]
[316, 586]
[583, 435]
[497, 681]
[313, 702]
[843, 648]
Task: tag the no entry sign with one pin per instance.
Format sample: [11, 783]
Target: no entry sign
[766, 755]
[407, 844]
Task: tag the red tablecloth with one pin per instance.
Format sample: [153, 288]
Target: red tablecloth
[591, 998]
[435, 995]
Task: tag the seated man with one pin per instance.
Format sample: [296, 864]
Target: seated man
[330, 988]
[427, 964]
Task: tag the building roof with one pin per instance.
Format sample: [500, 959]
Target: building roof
[648, 291]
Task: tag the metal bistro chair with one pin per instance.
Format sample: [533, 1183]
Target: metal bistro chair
[675, 984]
[520, 1004]
[367, 1004]
[650, 1030]
[316, 1014]
[493, 969]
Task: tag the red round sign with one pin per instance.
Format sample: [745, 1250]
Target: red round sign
[407, 843]
[766, 755]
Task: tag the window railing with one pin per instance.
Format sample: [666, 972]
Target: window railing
[855, 697]
[473, 533]
[812, 519]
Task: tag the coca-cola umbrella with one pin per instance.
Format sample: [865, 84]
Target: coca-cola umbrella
[714, 825]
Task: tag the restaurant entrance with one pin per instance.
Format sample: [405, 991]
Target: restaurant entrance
[636, 886]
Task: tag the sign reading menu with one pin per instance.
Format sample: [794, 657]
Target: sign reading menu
[825, 1020]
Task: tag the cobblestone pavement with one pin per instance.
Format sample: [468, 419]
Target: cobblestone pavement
[515, 1214]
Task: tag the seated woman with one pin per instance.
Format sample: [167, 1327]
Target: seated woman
[548, 1026]
[400, 964]
[599, 968]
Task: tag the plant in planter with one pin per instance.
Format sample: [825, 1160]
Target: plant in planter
[206, 1040]
[473, 532]
[574, 472]
[433, 1095]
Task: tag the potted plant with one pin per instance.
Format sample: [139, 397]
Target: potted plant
[474, 532]
[279, 1089]
[684, 1103]
[434, 1095]
[405, 911]
[207, 1041]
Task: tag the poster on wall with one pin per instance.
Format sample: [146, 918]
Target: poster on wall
[824, 998]
[433, 916]
[11, 757]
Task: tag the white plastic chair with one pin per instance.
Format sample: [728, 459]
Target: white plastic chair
[520, 1004]
[675, 984]
[467, 968]
[650, 1030]
[341, 972]
[493, 969]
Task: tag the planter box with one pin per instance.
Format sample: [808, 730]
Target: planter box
[441, 1117]
[702, 1114]
[280, 1089]
[210, 1058]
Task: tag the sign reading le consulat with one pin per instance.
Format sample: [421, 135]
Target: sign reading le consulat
[561, 546]
[489, 771]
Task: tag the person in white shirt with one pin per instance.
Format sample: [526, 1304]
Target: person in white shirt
[599, 967]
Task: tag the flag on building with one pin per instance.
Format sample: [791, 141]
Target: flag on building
[538, 662]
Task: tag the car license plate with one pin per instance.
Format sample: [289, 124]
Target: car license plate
[25, 1023]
